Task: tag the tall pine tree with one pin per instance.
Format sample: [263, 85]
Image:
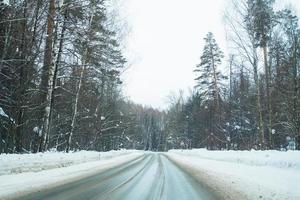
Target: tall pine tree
[209, 81]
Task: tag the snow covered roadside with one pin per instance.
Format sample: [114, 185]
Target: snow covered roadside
[14, 185]
[244, 174]
[20, 163]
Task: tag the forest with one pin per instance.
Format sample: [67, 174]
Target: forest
[61, 87]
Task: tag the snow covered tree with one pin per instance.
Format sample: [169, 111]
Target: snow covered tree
[40, 69]
[243, 38]
[260, 20]
[19, 42]
[98, 73]
[47, 77]
[285, 51]
[210, 81]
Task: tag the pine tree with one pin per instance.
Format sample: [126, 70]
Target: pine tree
[99, 71]
[285, 50]
[209, 82]
[260, 21]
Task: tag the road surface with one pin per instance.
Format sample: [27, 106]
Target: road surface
[151, 177]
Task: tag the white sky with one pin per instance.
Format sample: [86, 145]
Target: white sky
[165, 44]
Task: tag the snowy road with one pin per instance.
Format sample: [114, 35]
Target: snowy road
[152, 176]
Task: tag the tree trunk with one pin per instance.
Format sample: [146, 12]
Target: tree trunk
[57, 62]
[268, 76]
[296, 96]
[217, 101]
[230, 102]
[47, 77]
[84, 61]
[21, 87]
[259, 109]
[75, 107]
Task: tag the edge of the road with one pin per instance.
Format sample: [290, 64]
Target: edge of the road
[111, 163]
[211, 183]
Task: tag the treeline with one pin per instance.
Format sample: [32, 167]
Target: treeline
[60, 66]
[255, 102]
[60, 86]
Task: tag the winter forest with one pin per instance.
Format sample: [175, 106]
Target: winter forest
[61, 87]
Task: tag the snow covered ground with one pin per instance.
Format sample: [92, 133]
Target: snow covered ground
[244, 174]
[19, 163]
[20, 174]
[230, 174]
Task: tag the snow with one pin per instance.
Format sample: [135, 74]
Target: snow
[2, 113]
[237, 127]
[38, 131]
[20, 163]
[230, 174]
[244, 174]
[280, 159]
[21, 174]
[6, 2]
[127, 138]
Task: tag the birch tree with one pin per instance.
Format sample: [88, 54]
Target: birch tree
[47, 77]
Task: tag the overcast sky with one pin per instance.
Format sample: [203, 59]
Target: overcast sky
[165, 44]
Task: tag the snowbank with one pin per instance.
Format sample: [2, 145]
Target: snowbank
[19, 163]
[50, 171]
[244, 174]
[280, 159]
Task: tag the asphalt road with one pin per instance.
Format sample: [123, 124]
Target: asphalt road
[152, 177]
